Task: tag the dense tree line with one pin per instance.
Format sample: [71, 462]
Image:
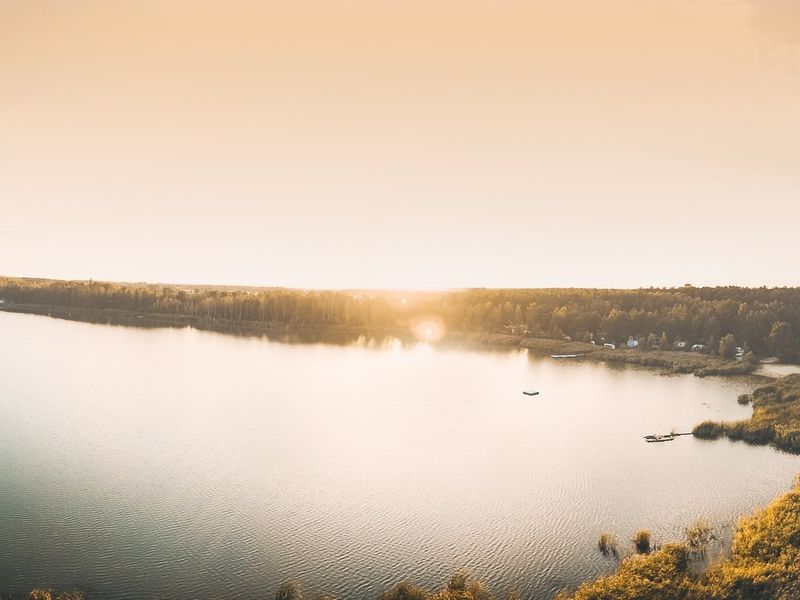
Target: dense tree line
[764, 320]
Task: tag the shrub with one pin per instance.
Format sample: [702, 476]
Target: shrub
[289, 590]
[708, 430]
[642, 541]
[463, 587]
[405, 590]
[662, 575]
[698, 535]
[607, 544]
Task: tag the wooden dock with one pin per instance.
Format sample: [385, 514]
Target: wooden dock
[664, 437]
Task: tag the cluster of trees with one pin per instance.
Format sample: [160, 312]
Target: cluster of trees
[764, 320]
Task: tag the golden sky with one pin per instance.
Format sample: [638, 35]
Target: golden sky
[377, 143]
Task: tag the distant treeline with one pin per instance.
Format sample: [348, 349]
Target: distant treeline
[762, 320]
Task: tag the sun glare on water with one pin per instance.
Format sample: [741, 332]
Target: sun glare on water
[429, 328]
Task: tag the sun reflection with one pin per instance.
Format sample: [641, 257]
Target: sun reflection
[428, 328]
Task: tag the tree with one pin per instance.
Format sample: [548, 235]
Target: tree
[713, 345]
[651, 341]
[783, 342]
[664, 343]
[727, 346]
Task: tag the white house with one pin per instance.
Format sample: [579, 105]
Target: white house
[632, 343]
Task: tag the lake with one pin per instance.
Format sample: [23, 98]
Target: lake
[175, 463]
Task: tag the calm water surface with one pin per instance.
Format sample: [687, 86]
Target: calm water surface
[181, 464]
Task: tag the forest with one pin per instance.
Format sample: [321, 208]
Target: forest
[765, 321]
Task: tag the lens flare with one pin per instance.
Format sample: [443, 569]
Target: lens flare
[428, 328]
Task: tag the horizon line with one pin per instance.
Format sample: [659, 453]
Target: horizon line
[390, 289]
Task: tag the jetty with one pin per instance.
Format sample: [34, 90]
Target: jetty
[566, 355]
[665, 437]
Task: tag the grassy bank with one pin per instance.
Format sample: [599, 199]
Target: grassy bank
[764, 564]
[702, 365]
[775, 419]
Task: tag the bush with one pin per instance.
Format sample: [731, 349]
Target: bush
[642, 541]
[708, 430]
[405, 590]
[289, 590]
[698, 535]
[463, 587]
[662, 575]
[607, 544]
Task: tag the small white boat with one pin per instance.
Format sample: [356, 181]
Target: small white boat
[530, 392]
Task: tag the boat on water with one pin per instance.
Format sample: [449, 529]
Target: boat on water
[566, 355]
[530, 392]
[667, 437]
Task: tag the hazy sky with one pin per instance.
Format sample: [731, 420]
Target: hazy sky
[378, 143]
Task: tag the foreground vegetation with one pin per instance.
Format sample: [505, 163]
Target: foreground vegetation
[764, 564]
[775, 419]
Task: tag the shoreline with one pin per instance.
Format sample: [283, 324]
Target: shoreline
[701, 365]
[670, 361]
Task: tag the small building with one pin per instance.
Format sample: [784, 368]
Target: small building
[632, 343]
[518, 329]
